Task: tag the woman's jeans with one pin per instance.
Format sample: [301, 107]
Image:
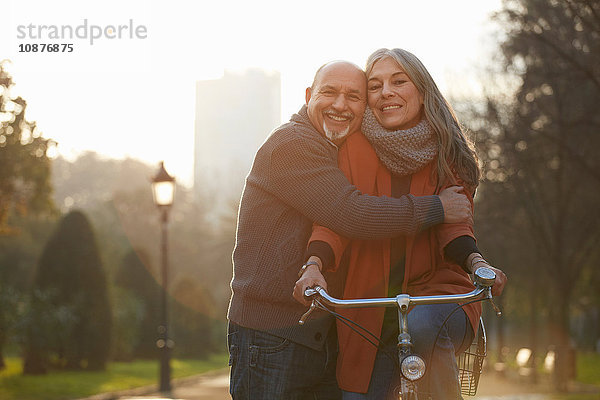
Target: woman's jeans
[441, 378]
[264, 366]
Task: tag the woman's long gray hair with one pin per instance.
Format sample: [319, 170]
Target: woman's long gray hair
[457, 157]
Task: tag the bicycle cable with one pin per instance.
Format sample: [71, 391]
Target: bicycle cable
[348, 322]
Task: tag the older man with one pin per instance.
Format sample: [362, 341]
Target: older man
[294, 181]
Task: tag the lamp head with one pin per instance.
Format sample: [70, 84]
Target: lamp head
[163, 187]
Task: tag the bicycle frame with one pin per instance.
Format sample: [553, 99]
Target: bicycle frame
[412, 367]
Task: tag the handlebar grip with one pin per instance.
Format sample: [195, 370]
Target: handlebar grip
[484, 276]
[310, 292]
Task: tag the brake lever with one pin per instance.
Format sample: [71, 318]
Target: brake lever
[305, 316]
[495, 307]
[485, 277]
[308, 294]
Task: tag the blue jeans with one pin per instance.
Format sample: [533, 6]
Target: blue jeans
[441, 379]
[267, 367]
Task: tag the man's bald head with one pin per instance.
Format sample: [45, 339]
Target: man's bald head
[337, 64]
[337, 99]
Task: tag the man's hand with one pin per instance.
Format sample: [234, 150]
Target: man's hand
[457, 208]
[312, 277]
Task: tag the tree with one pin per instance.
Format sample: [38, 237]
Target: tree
[555, 47]
[25, 188]
[540, 153]
[70, 277]
[189, 318]
[24, 163]
[125, 217]
[135, 277]
[18, 257]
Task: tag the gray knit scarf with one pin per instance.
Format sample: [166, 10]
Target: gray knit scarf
[403, 152]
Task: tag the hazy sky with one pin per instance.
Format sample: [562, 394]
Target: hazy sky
[135, 95]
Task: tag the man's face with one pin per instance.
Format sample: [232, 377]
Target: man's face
[337, 100]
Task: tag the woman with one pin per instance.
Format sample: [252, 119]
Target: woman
[413, 144]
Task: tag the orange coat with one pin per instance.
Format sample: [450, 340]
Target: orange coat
[426, 270]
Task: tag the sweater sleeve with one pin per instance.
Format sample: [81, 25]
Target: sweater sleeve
[305, 175]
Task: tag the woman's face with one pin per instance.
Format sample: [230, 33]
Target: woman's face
[394, 99]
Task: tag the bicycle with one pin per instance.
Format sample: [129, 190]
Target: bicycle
[412, 366]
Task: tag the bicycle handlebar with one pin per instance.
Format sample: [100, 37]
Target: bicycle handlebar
[402, 299]
[484, 279]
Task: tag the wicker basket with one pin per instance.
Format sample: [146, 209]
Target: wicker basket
[470, 363]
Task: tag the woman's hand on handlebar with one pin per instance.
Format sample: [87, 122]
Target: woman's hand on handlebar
[501, 279]
[476, 260]
[311, 277]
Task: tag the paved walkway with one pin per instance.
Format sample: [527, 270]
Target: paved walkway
[210, 386]
[492, 387]
[214, 386]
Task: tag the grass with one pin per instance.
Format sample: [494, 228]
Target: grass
[588, 367]
[76, 384]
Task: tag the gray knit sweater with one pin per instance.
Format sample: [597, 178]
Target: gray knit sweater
[294, 181]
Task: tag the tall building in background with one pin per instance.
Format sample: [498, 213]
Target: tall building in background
[234, 116]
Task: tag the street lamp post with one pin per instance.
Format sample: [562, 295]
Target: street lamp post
[163, 192]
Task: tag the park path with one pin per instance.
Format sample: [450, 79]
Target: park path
[494, 387]
[210, 386]
[215, 386]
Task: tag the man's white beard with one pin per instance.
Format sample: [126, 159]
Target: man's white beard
[335, 136]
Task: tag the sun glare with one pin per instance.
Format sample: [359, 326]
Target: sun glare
[125, 97]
